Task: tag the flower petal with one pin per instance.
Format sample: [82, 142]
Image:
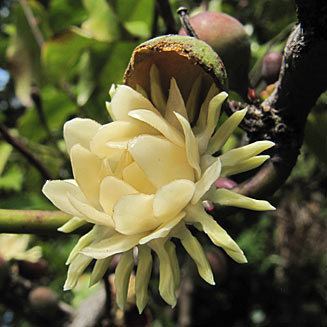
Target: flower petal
[157, 96]
[134, 176]
[175, 103]
[80, 131]
[84, 241]
[117, 243]
[133, 214]
[229, 198]
[207, 179]
[195, 250]
[202, 120]
[143, 275]
[192, 148]
[164, 229]
[160, 124]
[122, 276]
[56, 191]
[225, 130]
[161, 160]
[72, 224]
[214, 108]
[100, 268]
[197, 215]
[166, 279]
[88, 172]
[116, 131]
[171, 250]
[245, 165]
[172, 198]
[235, 156]
[89, 213]
[75, 270]
[125, 100]
[192, 101]
[111, 190]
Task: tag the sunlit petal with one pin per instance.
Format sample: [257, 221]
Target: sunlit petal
[80, 131]
[160, 124]
[225, 130]
[125, 100]
[117, 243]
[192, 148]
[197, 215]
[207, 179]
[175, 103]
[56, 191]
[161, 160]
[229, 198]
[172, 198]
[75, 270]
[111, 190]
[133, 214]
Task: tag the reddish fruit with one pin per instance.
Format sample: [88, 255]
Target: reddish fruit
[227, 36]
[43, 301]
[271, 64]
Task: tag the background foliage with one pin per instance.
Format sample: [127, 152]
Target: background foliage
[65, 70]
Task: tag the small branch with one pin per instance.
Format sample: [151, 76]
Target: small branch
[185, 21]
[31, 221]
[20, 147]
[281, 118]
[32, 22]
[167, 16]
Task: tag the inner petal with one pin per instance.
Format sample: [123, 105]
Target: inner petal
[111, 190]
[161, 160]
[133, 214]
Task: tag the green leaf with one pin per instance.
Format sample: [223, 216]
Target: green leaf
[24, 53]
[57, 108]
[61, 53]
[102, 23]
[86, 82]
[136, 16]
[12, 180]
[5, 151]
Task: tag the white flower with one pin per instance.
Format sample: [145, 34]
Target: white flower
[141, 180]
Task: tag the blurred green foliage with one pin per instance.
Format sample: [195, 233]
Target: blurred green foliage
[85, 47]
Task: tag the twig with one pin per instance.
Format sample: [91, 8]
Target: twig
[185, 297]
[90, 311]
[20, 147]
[167, 16]
[281, 118]
[32, 23]
[185, 21]
[31, 221]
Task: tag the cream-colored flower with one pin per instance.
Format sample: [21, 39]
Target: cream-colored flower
[141, 180]
[13, 246]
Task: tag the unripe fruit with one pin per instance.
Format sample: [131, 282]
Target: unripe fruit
[43, 301]
[271, 64]
[227, 36]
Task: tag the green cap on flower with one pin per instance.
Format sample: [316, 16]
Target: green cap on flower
[141, 180]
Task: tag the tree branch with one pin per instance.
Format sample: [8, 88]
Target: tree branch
[20, 147]
[167, 16]
[282, 117]
[31, 221]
